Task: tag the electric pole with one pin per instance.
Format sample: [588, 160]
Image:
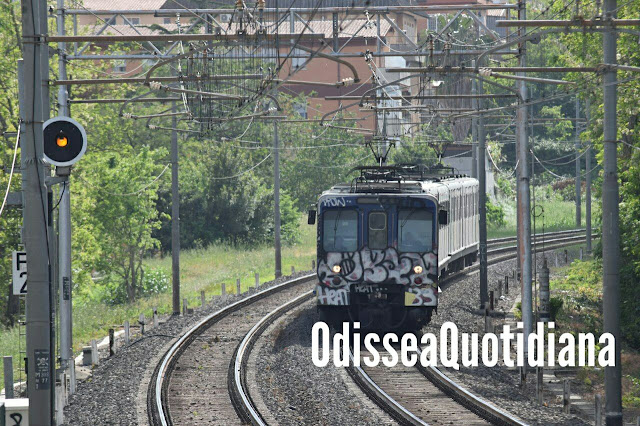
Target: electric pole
[523, 190]
[610, 225]
[578, 181]
[474, 128]
[276, 199]
[64, 227]
[482, 202]
[587, 194]
[175, 217]
[38, 311]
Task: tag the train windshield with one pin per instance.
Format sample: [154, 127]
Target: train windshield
[415, 230]
[340, 230]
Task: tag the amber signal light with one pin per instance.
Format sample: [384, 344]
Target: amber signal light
[61, 141]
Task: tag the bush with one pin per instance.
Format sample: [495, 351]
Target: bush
[555, 304]
[495, 215]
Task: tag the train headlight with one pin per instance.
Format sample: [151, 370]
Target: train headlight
[336, 269]
[417, 269]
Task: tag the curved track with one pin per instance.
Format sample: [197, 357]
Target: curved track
[202, 380]
[191, 384]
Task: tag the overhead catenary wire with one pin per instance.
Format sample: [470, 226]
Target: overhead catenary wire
[13, 165]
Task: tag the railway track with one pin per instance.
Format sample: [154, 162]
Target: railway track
[192, 383]
[202, 377]
[537, 237]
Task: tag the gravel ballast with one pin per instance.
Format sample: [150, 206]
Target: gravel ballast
[115, 394]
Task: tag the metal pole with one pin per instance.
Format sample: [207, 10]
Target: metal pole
[175, 218]
[64, 226]
[578, 182]
[38, 310]
[523, 189]
[587, 195]
[276, 197]
[474, 128]
[610, 226]
[482, 201]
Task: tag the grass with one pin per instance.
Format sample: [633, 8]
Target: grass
[558, 215]
[204, 269]
[580, 288]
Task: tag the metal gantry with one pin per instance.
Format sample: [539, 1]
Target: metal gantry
[231, 73]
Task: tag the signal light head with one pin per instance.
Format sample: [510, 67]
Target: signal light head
[336, 269]
[62, 140]
[65, 141]
[417, 269]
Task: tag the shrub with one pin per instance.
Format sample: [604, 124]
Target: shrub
[555, 304]
[495, 215]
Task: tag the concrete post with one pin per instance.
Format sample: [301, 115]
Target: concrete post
[578, 181]
[127, 333]
[155, 317]
[610, 221]
[523, 190]
[223, 289]
[545, 308]
[238, 288]
[175, 218]
[276, 196]
[598, 410]
[112, 342]
[482, 203]
[203, 300]
[7, 363]
[257, 280]
[184, 306]
[34, 73]
[566, 396]
[539, 385]
[95, 356]
[141, 321]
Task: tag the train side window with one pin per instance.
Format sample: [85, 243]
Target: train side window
[377, 230]
[340, 231]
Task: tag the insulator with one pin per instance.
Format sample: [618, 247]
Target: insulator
[155, 85]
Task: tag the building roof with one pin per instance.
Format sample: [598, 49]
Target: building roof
[317, 27]
[123, 4]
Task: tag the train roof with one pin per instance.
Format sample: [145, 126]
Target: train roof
[401, 179]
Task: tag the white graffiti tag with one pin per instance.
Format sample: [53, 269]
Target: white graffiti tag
[377, 266]
[332, 296]
[333, 202]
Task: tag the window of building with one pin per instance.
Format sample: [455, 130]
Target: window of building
[340, 230]
[377, 230]
[301, 109]
[134, 21]
[166, 21]
[299, 59]
[120, 66]
[415, 230]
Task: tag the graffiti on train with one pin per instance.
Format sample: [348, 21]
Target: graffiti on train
[377, 266]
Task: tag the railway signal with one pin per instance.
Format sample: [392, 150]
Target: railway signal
[65, 141]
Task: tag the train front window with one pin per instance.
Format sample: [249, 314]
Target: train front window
[377, 230]
[340, 230]
[415, 230]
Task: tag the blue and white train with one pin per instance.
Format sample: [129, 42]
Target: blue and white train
[385, 240]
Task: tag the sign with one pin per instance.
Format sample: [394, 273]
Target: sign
[19, 272]
[43, 369]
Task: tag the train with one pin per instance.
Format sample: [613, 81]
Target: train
[386, 239]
